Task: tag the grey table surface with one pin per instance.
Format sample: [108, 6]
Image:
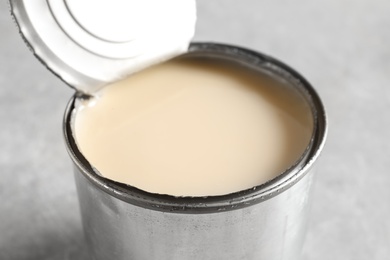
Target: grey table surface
[341, 46]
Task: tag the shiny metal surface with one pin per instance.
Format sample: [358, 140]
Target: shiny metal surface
[271, 230]
[266, 222]
[81, 42]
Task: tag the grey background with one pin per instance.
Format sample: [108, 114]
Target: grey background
[341, 46]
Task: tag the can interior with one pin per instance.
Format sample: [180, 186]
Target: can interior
[243, 57]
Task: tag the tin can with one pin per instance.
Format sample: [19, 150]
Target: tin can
[267, 222]
[122, 222]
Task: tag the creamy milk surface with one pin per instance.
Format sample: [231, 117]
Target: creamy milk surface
[193, 127]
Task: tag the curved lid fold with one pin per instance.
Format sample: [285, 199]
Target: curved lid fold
[90, 43]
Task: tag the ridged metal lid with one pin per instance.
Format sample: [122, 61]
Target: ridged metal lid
[89, 43]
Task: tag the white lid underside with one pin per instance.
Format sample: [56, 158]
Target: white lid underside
[89, 43]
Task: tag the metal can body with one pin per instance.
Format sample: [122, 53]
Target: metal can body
[273, 229]
[267, 222]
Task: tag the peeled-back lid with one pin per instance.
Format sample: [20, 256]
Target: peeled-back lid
[89, 43]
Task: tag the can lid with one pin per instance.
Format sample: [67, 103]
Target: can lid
[90, 43]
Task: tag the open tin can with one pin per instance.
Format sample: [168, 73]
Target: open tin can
[266, 222]
[121, 222]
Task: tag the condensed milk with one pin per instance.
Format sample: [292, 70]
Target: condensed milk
[194, 127]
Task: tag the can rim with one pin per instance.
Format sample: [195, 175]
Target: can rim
[216, 203]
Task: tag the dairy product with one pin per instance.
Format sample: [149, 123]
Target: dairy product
[193, 127]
